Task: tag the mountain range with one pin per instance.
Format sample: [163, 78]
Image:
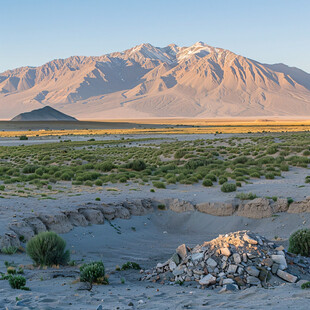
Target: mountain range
[145, 81]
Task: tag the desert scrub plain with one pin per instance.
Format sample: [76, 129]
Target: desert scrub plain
[86, 172]
[226, 163]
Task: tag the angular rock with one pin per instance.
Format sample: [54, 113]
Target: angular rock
[286, 276]
[232, 268]
[257, 208]
[197, 257]
[280, 259]
[274, 268]
[248, 239]
[253, 271]
[178, 271]
[211, 262]
[207, 280]
[237, 258]
[182, 251]
[225, 251]
[253, 280]
[176, 258]
[217, 208]
[228, 281]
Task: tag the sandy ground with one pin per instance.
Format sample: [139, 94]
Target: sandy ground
[154, 240]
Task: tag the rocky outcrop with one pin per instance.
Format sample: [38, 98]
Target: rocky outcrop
[300, 206]
[230, 262]
[176, 205]
[257, 208]
[281, 205]
[217, 208]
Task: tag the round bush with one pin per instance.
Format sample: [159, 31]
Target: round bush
[138, 165]
[93, 272]
[228, 187]
[17, 282]
[47, 249]
[299, 242]
[207, 182]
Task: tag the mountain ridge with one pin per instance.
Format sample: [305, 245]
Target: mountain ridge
[147, 81]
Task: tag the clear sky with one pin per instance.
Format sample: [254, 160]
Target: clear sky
[33, 32]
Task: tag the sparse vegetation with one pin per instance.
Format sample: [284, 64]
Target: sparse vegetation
[131, 265]
[93, 272]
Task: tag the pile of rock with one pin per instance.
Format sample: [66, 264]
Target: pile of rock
[232, 261]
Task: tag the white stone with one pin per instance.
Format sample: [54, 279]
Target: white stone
[207, 280]
[211, 262]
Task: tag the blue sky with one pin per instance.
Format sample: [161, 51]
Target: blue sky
[36, 31]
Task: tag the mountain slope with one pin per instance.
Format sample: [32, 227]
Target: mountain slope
[147, 81]
[44, 114]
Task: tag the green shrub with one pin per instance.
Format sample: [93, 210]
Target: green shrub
[93, 272]
[299, 242]
[88, 183]
[159, 184]
[211, 177]
[228, 187]
[47, 248]
[207, 183]
[222, 180]
[18, 282]
[161, 207]
[152, 190]
[269, 176]
[137, 165]
[246, 196]
[98, 183]
[106, 166]
[2, 187]
[97, 199]
[131, 265]
[23, 138]
[307, 179]
[10, 250]
[305, 285]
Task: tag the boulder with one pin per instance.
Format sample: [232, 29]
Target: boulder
[57, 222]
[135, 207]
[286, 276]
[121, 212]
[9, 239]
[279, 259]
[93, 216]
[257, 208]
[179, 206]
[207, 280]
[299, 206]
[252, 271]
[281, 205]
[36, 224]
[109, 212]
[76, 218]
[182, 251]
[216, 208]
[22, 229]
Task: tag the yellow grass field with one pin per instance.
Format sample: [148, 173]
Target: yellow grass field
[192, 127]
